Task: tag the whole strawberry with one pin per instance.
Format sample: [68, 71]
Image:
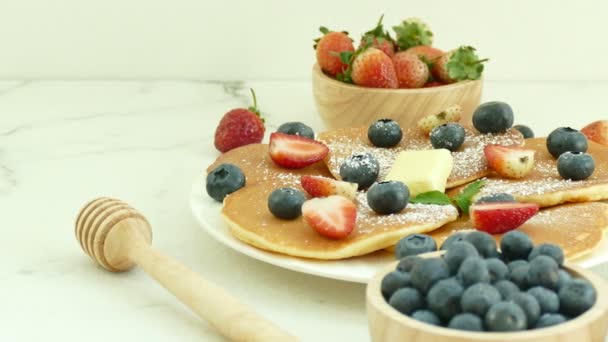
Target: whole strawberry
[412, 32]
[328, 49]
[239, 127]
[373, 68]
[379, 39]
[426, 52]
[411, 71]
[458, 65]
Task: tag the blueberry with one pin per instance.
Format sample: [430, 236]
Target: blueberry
[575, 165]
[426, 316]
[506, 288]
[516, 245]
[427, 272]
[414, 244]
[548, 320]
[384, 133]
[483, 242]
[566, 139]
[550, 250]
[473, 270]
[497, 269]
[444, 298]
[525, 131]
[564, 278]
[529, 304]
[498, 197]
[576, 297]
[453, 238]
[406, 300]
[493, 117]
[362, 169]
[286, 203]
[548, 300]
[406, 264]
[505, 316]
[388, 197]
[393, 281]
[543, 272]
[517, 263]
[519, 276]
[466, 321]
[223, 180]
[297, 128]
[478, 298]
[449, 136]
[457, 252]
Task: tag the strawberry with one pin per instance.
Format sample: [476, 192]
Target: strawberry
[509, 161]
[597, 131]
[379, 39]
[451, 114]
[433, 83]
[426, 52]
[328, 49]
[373, 68]
[333, 217]
[501, 217]
[294, 151]
[411, 71]
[458, 65]
[317, 186]
[239, 127]
[412, 32]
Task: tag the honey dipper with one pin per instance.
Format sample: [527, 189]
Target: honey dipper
[118, 237]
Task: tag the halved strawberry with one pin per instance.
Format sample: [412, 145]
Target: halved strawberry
[509, 161]
[294, 151]
[333, 217]
[501, 217]
[317, 186]
[597, 131]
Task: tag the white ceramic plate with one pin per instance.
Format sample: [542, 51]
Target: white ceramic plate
[359, 269]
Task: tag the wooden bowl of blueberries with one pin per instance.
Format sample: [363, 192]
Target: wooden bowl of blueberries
[399, 75]
[474, 290]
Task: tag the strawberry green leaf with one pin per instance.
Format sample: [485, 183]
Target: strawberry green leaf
[412, 32]
[378, 33]
[465, 198]
[431, 197]
[324, 30]
[465, 65]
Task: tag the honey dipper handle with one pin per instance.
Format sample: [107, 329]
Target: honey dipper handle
[229, 316]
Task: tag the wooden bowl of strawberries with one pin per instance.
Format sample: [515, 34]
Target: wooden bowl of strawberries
[402, 78]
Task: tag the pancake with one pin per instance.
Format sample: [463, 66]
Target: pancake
[576, 227]
[257, 166]
[545, 186]
[469, 160]
[247, 215]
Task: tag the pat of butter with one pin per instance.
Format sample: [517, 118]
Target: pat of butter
[422, 171]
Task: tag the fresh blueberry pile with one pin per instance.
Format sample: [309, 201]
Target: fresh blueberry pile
[473, 286]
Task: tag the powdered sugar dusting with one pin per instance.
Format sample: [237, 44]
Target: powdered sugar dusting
[413, 214]
[469, 160]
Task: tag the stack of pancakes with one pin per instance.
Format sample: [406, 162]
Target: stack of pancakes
[569, 218]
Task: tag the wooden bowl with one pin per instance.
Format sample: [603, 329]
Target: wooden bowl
[344, 105]
[387, 324]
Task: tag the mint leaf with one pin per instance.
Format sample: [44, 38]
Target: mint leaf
[465, 198]
[431, 197]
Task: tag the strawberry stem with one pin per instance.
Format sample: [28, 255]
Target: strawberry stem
[254, 108]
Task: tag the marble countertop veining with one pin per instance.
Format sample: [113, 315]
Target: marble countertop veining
[63, 143]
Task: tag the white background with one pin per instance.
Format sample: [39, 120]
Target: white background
[268, 40]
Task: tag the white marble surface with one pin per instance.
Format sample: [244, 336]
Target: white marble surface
[63, 143]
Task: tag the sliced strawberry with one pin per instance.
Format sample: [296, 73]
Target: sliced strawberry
[333, 217]
[317, 186]
[294, 151]
[597, 131]
[509, 161]
[501, 217]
